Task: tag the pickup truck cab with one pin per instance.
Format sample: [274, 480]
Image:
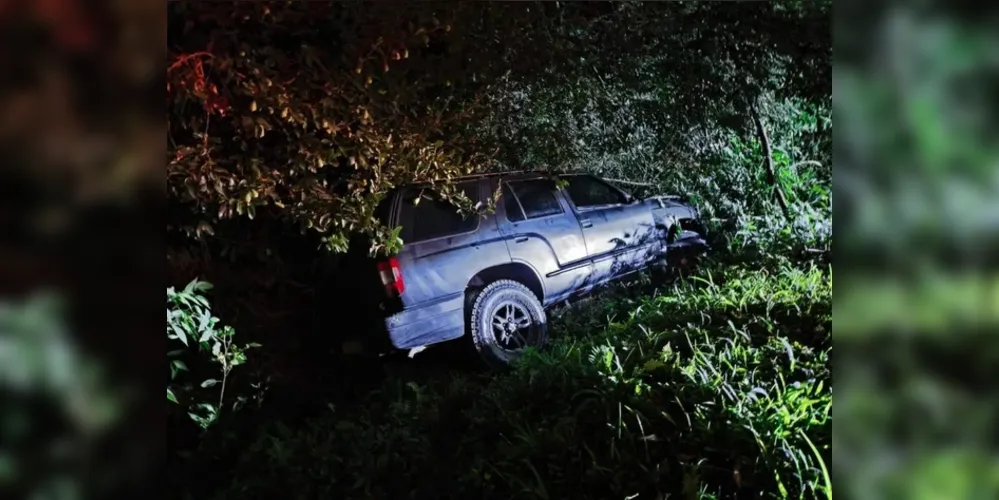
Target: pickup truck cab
[492, 276]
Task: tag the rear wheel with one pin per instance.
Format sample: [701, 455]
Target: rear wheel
[506, 319]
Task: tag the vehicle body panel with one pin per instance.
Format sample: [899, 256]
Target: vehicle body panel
[568, 253]
[667, 213]
[620, 237]
[552, 246]
[436, 272]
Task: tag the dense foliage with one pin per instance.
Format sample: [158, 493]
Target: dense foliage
[715, 386]
[311, 111]
[191, 327]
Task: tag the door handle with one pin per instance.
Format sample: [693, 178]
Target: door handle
[586, 223]
[520, 239]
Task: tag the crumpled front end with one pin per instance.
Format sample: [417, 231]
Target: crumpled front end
[685, 234]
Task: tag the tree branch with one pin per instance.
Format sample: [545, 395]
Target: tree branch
[805, 162]
[768, 158]
[184, 58]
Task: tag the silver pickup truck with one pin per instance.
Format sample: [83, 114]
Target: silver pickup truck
[493, 276]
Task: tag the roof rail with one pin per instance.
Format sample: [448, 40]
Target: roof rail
[493, 174]
[490, 174]
[517, 172]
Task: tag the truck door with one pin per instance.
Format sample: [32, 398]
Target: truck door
[618, 233]
[542, 233]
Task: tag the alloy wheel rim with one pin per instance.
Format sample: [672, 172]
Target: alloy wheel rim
[511, 325]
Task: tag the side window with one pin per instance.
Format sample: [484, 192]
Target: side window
[587, 191]
[434, 218]
[513, 211]
[537, 197]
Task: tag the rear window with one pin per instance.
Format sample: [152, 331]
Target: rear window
[383, 212]
[433, 218]
[537, 197]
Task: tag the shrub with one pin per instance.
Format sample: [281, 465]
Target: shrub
[190, 323]
[720, 386]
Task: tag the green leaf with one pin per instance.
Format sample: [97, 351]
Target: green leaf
[209, 383]
[171, 397]
[206, 335]
[179, 333]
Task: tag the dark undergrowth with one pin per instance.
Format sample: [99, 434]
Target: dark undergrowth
[715, 386]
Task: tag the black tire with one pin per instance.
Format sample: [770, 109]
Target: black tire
[494, 303]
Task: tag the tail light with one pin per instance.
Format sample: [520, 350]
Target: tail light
[391, 275]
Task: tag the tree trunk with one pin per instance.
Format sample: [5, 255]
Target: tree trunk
[768, 158]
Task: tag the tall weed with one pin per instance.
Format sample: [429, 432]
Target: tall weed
[715, 386]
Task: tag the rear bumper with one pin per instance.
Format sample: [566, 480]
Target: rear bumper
[439, 321]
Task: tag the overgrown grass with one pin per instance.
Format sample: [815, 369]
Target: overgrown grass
[716, 386]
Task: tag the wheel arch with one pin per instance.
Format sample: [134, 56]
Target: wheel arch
[516, 271]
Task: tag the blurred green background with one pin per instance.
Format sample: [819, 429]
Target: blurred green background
[916, 98]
